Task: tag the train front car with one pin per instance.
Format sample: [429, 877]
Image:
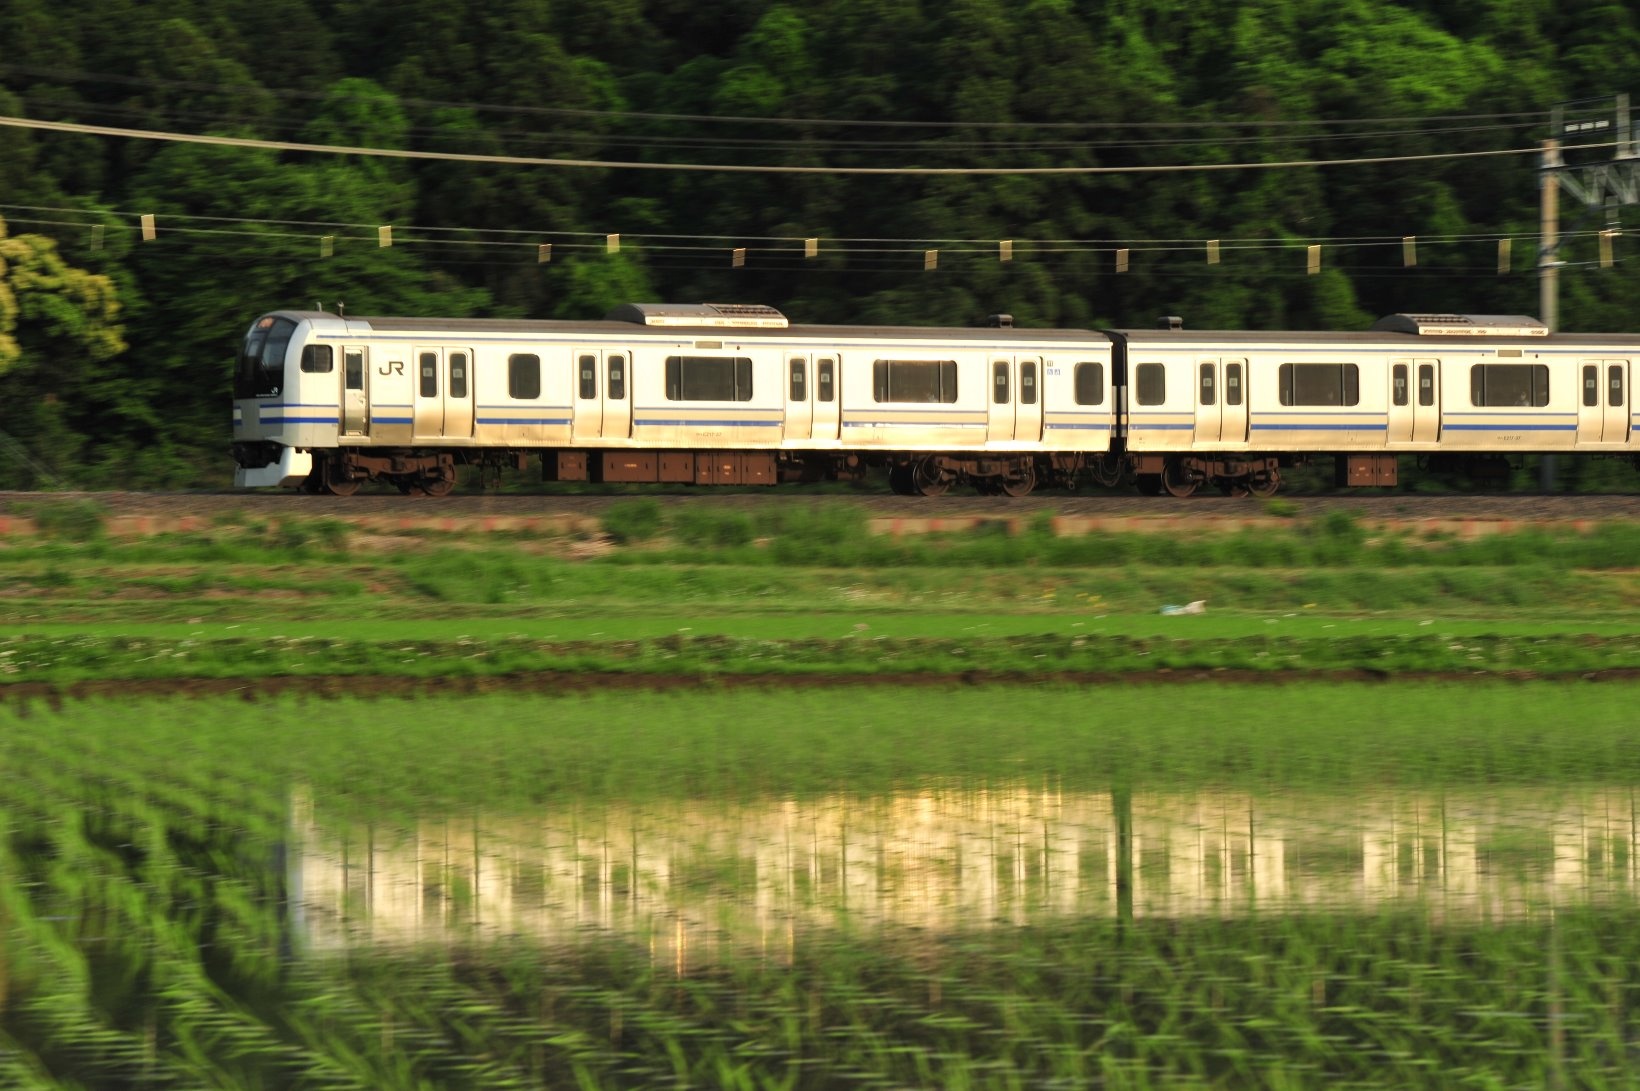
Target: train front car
[285, 398]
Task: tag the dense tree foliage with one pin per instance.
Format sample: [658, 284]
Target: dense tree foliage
[130, 381]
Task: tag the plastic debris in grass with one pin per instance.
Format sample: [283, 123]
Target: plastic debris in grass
[1197, 607]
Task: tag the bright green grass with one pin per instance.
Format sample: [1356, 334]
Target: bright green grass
[745, 743]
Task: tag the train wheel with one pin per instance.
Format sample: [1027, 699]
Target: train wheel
[1268, 486]
[345, 487]
[929, 480]
[1177, 480]
[1148, 484]
[1019, 482]
[441, 483]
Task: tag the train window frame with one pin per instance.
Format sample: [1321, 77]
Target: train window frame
[893, 381]
[798, 379]
[1088, 380]
[1497, 386]
[353, 369]
[459, 374]
[1206, 391]
[1400, 381]
[1614, 384]
[1150, 384]
[1233, 383]
[708, 378]
[1027, 382]
[427, 369]
[1426, 384]
[825, 380]
[317, 362]
[1315, 385]
[586, 366]
[524, 376]
[1591, 384]
[615, 365]
[999, 382]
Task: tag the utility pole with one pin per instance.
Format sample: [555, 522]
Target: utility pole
[1549, 270]
[1598, 185]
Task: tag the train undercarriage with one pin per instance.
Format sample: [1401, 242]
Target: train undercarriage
[433, 472]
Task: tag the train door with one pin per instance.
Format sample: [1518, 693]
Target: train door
[442, 404]
[617, 407]
[1028, 409]
[1233, 401]
[1209, 412]
[355, 390]
[1000, 412]
[799, 408]
[1602, 411]
[589, 407]
[827, 422]
[1426, 401]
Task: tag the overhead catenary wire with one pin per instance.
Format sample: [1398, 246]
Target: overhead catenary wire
[738, 168]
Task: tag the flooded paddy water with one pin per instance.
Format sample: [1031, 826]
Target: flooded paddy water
[690, 879]
[1306, 885]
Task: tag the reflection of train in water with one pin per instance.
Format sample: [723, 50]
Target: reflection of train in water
[729, 394]
[689, 873]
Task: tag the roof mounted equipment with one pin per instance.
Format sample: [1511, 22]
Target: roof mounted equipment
[742, 315]
[1462, 325]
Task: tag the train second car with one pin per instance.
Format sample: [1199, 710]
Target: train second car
[734, 394]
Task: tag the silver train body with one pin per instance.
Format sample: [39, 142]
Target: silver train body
[729, 394]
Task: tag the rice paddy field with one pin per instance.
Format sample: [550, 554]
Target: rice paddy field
[724, 801]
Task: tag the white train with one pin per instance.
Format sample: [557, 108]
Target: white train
[733, 394]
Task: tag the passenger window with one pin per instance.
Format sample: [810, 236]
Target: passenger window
[1208, 393]
[318, 359]
[827, 390]
[999, 381]
[1509, 384]
[458, 375]
[1398, 384]
[1090, 383]
[1027, 383]
[1591, 385]
[1150, 384]
[799, 379]
[524, 375]
[354, 363]
[589, 377]
[1614, 384]
[429, 374]
[1232, 384]
[617, 377]
[1426, 384]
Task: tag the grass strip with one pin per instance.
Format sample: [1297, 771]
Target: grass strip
[71, 659]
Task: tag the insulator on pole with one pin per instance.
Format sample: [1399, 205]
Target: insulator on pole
[1212, 251]
[384, 235]
[543, 253]
[148, 231]
[1313, 264]
[1409, 250]
[737, 257]
[1122, 260]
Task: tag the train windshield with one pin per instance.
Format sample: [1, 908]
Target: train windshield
[261, 370]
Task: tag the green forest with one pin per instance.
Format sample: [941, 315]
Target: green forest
[116, 349]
